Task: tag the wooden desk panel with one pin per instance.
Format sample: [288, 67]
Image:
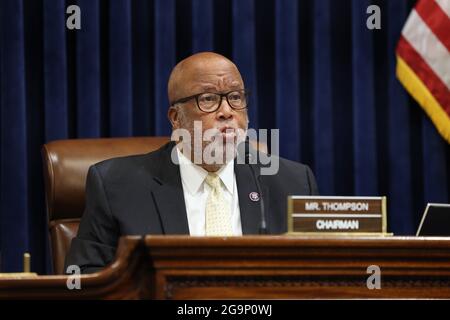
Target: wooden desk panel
[180, 267]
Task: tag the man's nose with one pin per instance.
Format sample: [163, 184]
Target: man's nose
[224, 111]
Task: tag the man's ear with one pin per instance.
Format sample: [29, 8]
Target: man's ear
[174, 117]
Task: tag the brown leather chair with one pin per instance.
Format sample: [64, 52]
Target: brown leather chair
[66, 163]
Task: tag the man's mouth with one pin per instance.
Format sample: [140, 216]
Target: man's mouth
[228, 132]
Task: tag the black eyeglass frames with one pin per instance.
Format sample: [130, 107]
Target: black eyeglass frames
[210, 101]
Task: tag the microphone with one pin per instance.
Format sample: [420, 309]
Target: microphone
[248, 156]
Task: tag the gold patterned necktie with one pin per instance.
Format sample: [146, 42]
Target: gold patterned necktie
[218, 215]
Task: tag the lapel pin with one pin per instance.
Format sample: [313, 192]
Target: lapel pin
[254, 196]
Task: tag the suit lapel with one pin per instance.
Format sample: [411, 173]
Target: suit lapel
[168, 195]
[250, 210]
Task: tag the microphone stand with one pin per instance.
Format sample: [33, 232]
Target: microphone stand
[263, 223]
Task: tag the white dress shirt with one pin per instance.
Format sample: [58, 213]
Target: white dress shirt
[196, 192]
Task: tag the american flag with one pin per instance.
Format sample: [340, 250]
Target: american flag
[423, 60]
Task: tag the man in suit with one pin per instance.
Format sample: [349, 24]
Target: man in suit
[165, 192]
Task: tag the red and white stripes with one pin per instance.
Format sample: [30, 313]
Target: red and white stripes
[423, 60]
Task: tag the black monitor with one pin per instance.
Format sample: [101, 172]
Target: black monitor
[435, 220]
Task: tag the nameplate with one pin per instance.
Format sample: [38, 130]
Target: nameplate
[337, 215]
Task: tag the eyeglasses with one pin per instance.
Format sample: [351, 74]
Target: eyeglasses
[209, 102]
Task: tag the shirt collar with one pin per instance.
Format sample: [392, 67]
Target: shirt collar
[193, 176]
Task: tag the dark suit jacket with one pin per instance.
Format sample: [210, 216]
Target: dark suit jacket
[143, 194]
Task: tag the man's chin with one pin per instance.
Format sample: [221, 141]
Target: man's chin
[216, 154]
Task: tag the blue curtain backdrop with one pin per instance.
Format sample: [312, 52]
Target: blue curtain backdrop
[315, 70]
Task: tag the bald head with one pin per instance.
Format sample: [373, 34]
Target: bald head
[202, 71]
[206, 72]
